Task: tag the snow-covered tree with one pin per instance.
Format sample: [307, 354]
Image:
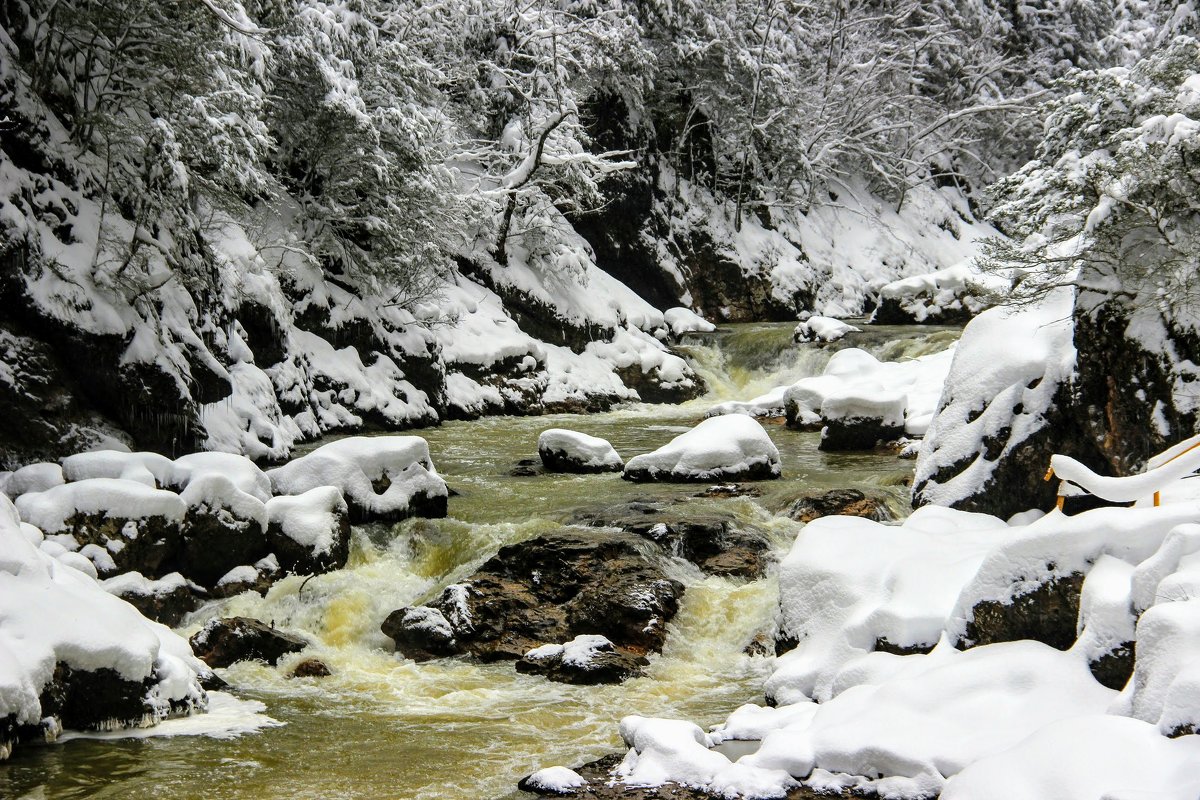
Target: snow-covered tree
[1112, 201]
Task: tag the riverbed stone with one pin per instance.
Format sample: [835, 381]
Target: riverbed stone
[711, 539]
[604, 663]
[311, 668]
[420, 633]
[857, 433]
[547, 590]
[223, 642]
[839, 502]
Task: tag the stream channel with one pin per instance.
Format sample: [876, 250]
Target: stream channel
[385, 727]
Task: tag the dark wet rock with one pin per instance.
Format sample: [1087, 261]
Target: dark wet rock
[149, 545]
[762, 645]
[606, 664]
[725, 491]
[884, 646]
[527, 468]
[1047, 613]
[94, 700]
[839, 502]
[1115, 668]
[311, 668]
[710, 539]
[216, 539]
[260, 581]
[226, 641]
[857, 433]
[548, 590]
[420, 633]
[168, 607]
[757, 471]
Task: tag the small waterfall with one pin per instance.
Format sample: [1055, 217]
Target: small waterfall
[743, 361]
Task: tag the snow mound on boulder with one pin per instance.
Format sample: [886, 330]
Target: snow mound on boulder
[53, 509]
[822, 329]
[381, 477]
[152, 469]
[33, 478]
[683, 320]
[726, 448]
[563, 450]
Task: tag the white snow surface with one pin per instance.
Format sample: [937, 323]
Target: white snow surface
[33, 478]
[590, 451]
[311, 518]
[77, 622]
[1014, 719]
[351, 464]
[716, 446]
[683, 320]
[961, 286]
[823, 329]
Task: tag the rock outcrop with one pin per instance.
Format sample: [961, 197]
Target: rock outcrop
[547, 590]
[223, 642]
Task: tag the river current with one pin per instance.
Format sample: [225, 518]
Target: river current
[385, 727]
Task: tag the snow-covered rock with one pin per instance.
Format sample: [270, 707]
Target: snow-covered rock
[310, 532]
[821, 329]
[951, 295]
[111, 667]
[166, 600]
[33, 478]
[725, 448]
[587, 659]
[223, 527]
[138, 526]
[381, 477]
[564, 450]
[683, 320]
[890, 398]
[999, 418]
[553, 780]
[152, 469]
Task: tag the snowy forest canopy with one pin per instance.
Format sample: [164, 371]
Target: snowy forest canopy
[380, 139]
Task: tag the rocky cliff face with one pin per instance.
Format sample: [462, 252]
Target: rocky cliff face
[1095, 379]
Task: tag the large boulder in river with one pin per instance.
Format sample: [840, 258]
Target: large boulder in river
[226, 641]
[562, 450]
[548, 590]
[386, 478]
[861, 418]
[726, 448]
[716, 541]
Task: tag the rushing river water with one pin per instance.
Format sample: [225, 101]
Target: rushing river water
[385, 727]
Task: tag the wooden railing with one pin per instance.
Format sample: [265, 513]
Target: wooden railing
[1174, 463]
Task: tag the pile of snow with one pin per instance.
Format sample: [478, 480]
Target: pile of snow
[563, 450]
[355, 464]
[55, 509]
[554, 780]
[312, 519]
[1014, 719]
[726, 448]
[855, 384]
[243, 473]
[683, 320]
[52, 614]
[1007, 368]
[952, 293]
[32, 478]
[152, 469]
[128, 583]
[822, 329]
